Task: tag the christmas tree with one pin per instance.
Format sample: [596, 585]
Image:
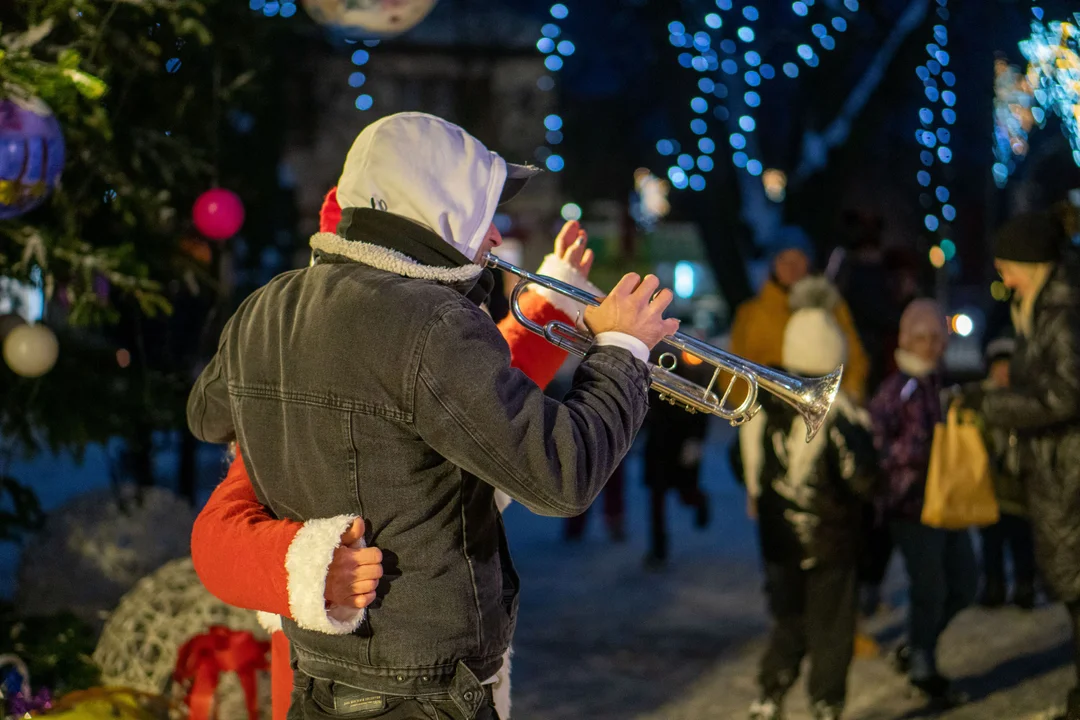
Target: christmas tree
[157, 101]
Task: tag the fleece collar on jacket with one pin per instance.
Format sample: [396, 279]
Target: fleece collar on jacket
[387, 242]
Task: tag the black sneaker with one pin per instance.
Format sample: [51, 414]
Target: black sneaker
[766, 710]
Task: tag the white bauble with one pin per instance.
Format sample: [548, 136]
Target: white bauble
[369, 18]
[31, 350]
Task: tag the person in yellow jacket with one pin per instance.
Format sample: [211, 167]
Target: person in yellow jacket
[757, 332]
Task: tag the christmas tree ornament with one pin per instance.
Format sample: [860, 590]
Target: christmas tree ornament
[162, 633]
[205, 658]
[31, 154]
[31, 350]
[218, 214]
[357, 19]
[8, 323]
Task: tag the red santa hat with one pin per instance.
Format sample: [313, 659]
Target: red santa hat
[330, 212]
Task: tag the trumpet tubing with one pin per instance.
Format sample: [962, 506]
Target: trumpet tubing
[810, 397]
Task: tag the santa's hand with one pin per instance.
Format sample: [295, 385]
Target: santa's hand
[355, 571]
[570, 248]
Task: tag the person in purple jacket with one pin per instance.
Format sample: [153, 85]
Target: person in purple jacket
[940, 563]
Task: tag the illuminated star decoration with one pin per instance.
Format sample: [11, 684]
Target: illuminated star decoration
[738, 57]
[933, 135]
[1014, 117]
[555, 48]
[1054, 72]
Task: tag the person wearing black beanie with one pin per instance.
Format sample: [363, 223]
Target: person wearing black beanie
[1042, 402]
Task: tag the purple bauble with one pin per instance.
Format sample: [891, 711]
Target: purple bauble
[31, 155]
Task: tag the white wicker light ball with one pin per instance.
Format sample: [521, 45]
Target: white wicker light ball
[142, 638]
[97, 546]
[31, 350]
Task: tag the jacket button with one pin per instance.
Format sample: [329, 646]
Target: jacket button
[468, 695]
[401, 678]
[426, 678]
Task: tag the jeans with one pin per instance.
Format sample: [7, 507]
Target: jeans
[943, 577]
[318, 699]
[814, 613]
[1016, 533]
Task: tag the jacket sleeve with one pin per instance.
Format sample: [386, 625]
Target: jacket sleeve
[247, 558]
[492, 421]
[1053, 397]
[240, 550]
[209, 413]
[857, 365]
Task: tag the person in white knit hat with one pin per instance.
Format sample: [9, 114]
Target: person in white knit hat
[806, 497]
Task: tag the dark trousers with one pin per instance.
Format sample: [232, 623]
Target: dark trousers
[1015, 532]
[876, 551]
[814, 614]
[691, 496]
[613, 497]
[943, 581]
[318, 699]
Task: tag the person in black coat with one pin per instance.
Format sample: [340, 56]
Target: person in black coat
[1042, 402]
[808, 500]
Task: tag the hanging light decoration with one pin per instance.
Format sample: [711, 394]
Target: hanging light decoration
[555, 48]
[933, 136]
[1054, 72]
[1014, 117]
[705, 52]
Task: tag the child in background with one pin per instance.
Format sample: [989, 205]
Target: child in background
[940, 563]
[808, 500]
[1013, 529]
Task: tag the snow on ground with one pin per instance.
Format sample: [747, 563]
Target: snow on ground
[599, 637]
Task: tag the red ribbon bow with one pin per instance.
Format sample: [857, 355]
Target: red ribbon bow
[204, 657]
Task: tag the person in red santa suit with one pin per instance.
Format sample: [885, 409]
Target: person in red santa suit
[242, 553]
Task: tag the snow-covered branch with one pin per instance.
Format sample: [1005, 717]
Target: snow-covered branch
[816, 146]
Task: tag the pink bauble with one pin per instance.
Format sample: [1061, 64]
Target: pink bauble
[218, 214]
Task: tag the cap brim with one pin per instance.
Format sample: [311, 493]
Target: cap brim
[517, 176]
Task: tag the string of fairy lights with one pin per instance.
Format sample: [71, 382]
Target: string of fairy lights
[555, 47]
[933, 136]
[1054, 71]
[738, 55]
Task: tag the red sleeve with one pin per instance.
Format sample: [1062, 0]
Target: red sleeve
[529, 352]
[239, 550]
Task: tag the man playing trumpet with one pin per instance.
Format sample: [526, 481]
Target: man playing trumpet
[371, 384]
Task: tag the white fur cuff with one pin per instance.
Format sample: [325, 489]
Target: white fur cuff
[501, 691]
[555, 267]
[269, 622]
[307, 563]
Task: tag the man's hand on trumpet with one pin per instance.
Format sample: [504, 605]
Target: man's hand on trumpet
[635, 308]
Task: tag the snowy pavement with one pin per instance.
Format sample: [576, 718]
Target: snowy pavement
[599, 637]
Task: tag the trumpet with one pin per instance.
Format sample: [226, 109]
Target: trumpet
[811, 398]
